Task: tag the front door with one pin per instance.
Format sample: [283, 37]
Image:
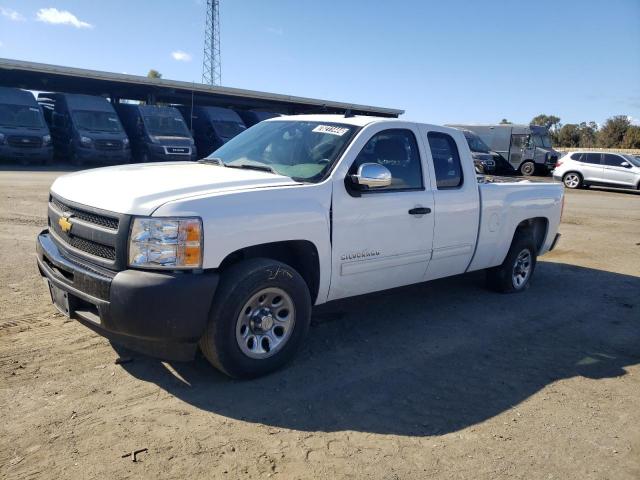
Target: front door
[380, 240]
[618, 170]
[517, 149]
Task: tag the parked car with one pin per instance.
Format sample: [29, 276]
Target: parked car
[212, 126]
[84, 128]
[581, 169]
[251, 117]
[527, 148]
[486, 160]
[157, 133]
[231, 252]
[24, 135]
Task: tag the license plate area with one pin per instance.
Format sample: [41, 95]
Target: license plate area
[59, 298]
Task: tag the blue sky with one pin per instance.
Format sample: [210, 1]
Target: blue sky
[441, 61]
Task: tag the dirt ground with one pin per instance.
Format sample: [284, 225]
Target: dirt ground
[442, 380]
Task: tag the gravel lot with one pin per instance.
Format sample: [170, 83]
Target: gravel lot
[443, 380]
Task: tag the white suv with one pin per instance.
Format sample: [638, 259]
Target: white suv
[580, 169]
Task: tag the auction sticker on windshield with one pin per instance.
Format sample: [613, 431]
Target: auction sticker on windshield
[331, 129]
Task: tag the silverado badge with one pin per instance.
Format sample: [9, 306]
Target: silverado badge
[65, 224]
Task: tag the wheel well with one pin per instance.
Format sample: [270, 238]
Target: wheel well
[299, 254]
[537, 227]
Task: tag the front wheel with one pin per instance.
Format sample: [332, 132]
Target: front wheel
[259, 318]
[515, 273]
[527, 168]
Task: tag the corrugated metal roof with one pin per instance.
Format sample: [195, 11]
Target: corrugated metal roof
[40, 76]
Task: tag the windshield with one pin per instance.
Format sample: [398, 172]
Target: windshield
[475, 143]
[96, 121]
[632, 160]
[304, 151]
[20, 116]
[228, 129]
[166, 126]
[541, 141]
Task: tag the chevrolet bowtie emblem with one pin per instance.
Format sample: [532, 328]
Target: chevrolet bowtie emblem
[65, 224]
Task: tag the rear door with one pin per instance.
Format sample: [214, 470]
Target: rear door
[457, 203]
[378, 239]
[591, 166]
[618, 171]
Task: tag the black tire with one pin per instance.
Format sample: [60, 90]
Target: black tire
[238, 284]
[569, 180]
[527, 168]
[501, 278]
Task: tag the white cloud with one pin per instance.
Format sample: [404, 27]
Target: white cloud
[60, 17]
[181, 56]
[632, 120]
[11, 14]
[275, 31]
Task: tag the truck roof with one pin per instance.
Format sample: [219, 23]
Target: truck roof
[358, 121]
[16, 96]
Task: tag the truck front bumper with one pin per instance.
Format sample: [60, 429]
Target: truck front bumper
[155, 313]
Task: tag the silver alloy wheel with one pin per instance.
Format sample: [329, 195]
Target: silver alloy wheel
[572, 180]
[521, 269]
[265, 323]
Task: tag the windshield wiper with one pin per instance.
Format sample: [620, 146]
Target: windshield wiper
[262, 168]
[213, 161]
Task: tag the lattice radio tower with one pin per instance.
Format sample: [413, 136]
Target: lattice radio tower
[211, 67]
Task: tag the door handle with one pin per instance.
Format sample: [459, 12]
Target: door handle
[419, 211]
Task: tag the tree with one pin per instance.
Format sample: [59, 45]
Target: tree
[613, 131]
[588, 134]
[550, 122]
[504, 121]
[154, 74]
[569, 135]
[631, 137]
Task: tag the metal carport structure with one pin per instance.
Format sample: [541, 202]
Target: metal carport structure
[55, 78]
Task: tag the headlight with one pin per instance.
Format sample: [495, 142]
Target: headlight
[1, 137]
[86, 141]
[46, 139]
[125, 142]
[171, 243]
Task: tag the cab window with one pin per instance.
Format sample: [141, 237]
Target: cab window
[614, 160]
[397, 150]
[446, 160]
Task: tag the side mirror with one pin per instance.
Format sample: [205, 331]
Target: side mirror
[372, 175]
[625, 164]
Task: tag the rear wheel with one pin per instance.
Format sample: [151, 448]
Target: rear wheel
[515, 273]
[259, 318]
[528, 168]
[572, 180]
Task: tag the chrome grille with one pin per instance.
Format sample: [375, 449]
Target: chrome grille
[98, 236]
[101, 220]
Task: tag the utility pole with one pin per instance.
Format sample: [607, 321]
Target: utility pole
[211, 67]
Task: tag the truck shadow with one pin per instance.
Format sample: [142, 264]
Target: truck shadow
[429, 359]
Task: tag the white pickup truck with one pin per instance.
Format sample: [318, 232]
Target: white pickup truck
[231, 252]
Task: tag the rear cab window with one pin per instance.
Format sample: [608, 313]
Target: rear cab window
[446, 160]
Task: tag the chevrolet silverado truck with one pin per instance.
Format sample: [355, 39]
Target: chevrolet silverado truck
[230, 253]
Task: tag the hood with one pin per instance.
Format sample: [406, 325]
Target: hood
[140, 189]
